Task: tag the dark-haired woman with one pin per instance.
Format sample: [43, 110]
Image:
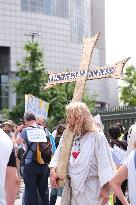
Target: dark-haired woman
[118, 148]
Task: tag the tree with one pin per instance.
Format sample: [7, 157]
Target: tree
[128, 88]
[32, 78]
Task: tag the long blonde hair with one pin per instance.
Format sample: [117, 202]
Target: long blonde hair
[79, 118]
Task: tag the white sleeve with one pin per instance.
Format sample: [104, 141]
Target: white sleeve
[54, 133]
[106, 166]
[55, 158]
[126, 162]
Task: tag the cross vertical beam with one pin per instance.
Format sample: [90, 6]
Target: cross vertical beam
[88, 47]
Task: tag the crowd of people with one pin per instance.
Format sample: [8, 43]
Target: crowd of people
[97, 167]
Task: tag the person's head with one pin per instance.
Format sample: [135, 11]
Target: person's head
[131, 138]
[79, 118]
[119, 125]
[29, 118]
[41, 121]
[7, 126]
[60, 129]
[114, 132]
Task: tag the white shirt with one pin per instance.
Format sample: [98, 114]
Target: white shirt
[6, 147]
[129, 163]
[54, 133]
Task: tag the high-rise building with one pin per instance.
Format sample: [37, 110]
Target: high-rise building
[62, 24]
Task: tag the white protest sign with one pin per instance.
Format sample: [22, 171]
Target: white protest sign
[120, 154]
[36, 105]
[36, 135]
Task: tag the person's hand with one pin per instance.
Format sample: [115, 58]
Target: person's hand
[19, 129]
[53, 179]
[104, 195]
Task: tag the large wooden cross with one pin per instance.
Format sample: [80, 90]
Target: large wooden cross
[80, 76]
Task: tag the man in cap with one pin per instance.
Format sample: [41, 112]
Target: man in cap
[7, 128]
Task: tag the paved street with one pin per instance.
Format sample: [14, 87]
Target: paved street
[19, 201]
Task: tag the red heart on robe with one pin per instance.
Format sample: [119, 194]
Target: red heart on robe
[75, 154]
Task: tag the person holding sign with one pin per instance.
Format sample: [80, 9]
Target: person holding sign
[36, 168]
[90, 164]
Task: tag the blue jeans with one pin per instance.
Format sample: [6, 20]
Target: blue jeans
[36, 180]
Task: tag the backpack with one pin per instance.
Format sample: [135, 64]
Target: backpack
[43, 152]
[45, 149]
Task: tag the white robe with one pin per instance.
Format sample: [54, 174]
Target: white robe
[92, 169]
[129, 163]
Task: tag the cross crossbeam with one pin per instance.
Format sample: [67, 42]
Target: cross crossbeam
[113, 71]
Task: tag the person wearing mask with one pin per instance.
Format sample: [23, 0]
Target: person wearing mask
[6, 147]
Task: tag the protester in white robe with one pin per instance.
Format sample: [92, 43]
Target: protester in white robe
[90, 165]
[127, 170]
[6, 147]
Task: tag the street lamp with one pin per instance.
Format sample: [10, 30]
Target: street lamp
[33, 34]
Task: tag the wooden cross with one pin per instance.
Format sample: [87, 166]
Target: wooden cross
[80, 76]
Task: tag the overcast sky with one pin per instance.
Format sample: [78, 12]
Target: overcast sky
[120, 30]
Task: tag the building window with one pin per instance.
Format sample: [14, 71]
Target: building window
[4, 87]
[49, 7]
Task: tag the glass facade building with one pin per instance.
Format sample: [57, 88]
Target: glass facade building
[77, 12]
[62, 24]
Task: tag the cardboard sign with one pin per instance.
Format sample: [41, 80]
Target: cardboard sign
[114, 71]
[36, 135]
[36, 105]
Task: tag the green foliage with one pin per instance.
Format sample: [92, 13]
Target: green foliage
[128, 89]
[5, 113]
[31, 72]
[17, 112]
[32, 78]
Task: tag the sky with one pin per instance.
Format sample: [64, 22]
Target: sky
[120, 27]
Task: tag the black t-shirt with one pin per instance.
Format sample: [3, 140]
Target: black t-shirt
[12, 159]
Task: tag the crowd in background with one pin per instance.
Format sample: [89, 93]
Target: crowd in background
[15, 144]
[14, 169]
